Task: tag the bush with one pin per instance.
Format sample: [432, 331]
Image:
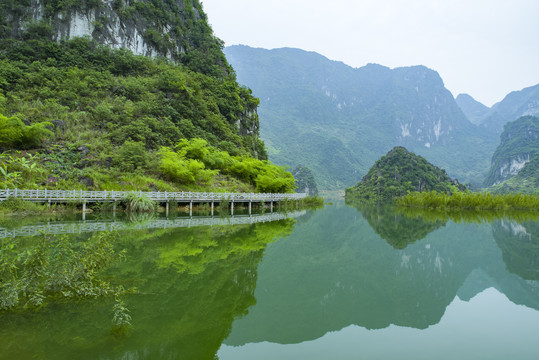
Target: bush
[131, 155]
[14, 134]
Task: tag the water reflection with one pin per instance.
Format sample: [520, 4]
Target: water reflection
[337, 268]
[397, 228]
[192, 283]
[519, 243]
[337, 271]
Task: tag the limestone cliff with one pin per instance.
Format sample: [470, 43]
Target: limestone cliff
[519, 143]
[175, 29]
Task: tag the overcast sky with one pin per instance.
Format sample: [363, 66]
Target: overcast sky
[486, 48]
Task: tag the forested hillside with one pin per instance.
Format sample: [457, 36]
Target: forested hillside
[85, 112]
[398, 173]
[338, 120]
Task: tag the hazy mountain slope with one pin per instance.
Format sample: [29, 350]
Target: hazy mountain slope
[516, 104]
[473, 109]
[338, 120]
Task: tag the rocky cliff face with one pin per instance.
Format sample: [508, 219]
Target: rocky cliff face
[519, 143]
[175, 29]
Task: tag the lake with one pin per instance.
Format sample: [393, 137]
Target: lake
[340, 282]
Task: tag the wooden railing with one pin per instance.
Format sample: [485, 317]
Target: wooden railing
[104, 196]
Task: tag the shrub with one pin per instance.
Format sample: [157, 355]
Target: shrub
[14, 134]
[137, 202]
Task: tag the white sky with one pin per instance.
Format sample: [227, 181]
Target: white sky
[486, 48]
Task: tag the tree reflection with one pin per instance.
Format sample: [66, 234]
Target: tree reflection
[192, 283]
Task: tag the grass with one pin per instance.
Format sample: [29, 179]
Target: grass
[469, 201]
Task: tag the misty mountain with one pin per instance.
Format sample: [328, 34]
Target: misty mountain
[516, 104]
[475, 111]
[339, 120]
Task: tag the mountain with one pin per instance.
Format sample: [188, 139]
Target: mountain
[400, 172]
[338, 120]
[516, 104]
[473, 109]
[518, 149]
[98, 93]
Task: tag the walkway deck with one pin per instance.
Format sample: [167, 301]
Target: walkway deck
[158, 196]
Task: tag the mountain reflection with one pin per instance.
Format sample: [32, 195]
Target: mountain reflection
[397, 228]
[336, 271]
[519, 243]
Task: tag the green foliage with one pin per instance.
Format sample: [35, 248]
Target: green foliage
[137, 202]
[178, 168]
[14, 134]
[400, 172]
[123, 108]
[35, 273]
[476, 201]
[196, 161]
[131, 156]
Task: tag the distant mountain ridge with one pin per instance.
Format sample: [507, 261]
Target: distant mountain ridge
[516, 104]
[338, 120]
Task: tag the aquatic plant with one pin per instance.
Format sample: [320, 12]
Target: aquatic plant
[462, 200]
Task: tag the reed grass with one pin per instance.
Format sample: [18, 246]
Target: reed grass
[469, 201]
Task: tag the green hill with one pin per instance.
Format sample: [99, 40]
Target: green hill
[99, 95]
[400, 172]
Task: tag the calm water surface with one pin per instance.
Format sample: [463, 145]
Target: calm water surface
[337, 283]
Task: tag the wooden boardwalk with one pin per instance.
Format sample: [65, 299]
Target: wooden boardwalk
[71, 227]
